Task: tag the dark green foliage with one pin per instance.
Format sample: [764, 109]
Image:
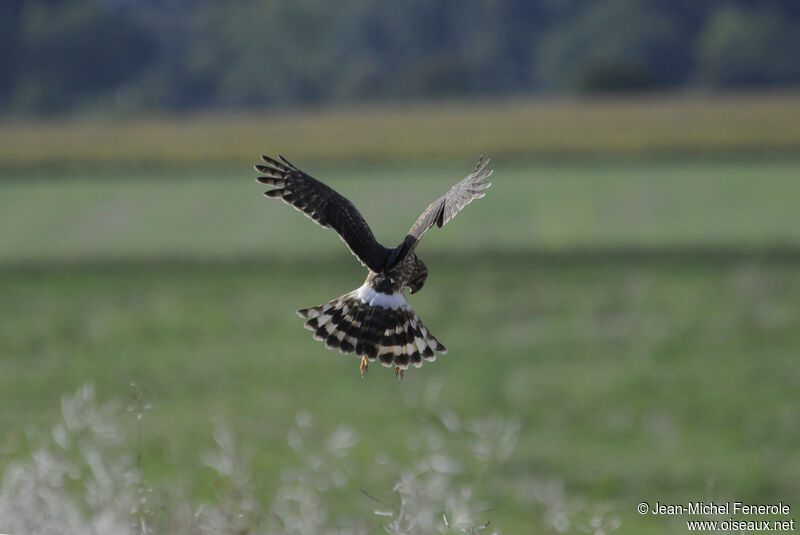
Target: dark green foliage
[738, 48]
[66, 53]
[618, 45]
[182, 54]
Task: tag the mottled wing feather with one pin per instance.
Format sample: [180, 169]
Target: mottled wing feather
[448, 205]
[325, 206]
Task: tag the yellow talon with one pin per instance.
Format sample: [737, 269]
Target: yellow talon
[398, 372]
[364, 366]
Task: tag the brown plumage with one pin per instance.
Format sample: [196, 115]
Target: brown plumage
[374, 321]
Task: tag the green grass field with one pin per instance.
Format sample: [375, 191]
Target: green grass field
[666, 377]
[220, 214]
[638, 318]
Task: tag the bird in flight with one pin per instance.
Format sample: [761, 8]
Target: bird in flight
[375, 320]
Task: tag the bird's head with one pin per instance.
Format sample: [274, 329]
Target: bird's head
[417, 279]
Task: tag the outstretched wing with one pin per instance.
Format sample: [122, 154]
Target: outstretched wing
[322, 204]
[446, 207]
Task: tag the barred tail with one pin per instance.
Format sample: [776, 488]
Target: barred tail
[392, 334]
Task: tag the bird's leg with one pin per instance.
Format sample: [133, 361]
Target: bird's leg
[364, 366]
[398, 372]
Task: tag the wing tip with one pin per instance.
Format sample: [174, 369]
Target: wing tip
[287, 162]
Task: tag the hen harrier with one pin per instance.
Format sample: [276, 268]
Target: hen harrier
[375, 320]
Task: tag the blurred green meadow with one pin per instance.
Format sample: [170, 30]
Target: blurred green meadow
[638, 316]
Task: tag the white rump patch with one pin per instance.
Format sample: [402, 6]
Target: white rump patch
[366, 294]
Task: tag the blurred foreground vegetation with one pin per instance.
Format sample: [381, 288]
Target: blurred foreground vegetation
[661, 376]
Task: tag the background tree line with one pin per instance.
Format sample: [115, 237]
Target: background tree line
[187, 54]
